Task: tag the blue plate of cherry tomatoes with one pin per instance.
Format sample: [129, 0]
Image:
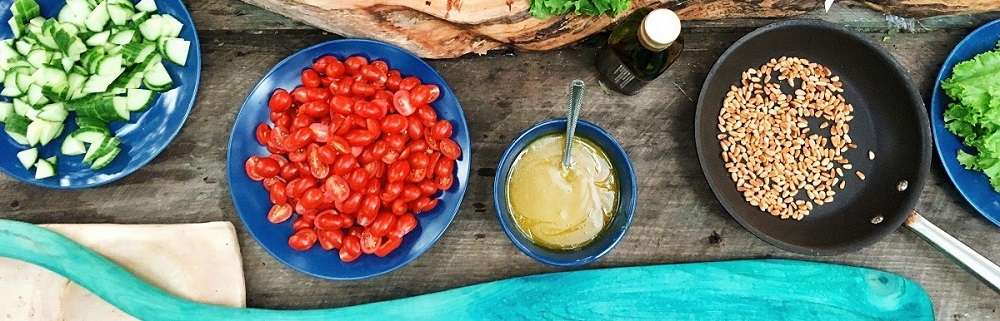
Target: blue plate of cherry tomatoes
[349, 159]
[142, 138]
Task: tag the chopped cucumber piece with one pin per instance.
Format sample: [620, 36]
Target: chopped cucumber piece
[17, 124]
[138, 99]
[123, 37]
[38, 58]
[55, 112]
[151, 28]
[72, 146]
[171, 26]
[176, 50]
[21, 108]
[8, 108]
[28, 157]
[98, 18]
[44, 169]
[146, 5]
[110, 66]
[99, 38]
[157, 78]
[105, 160]
[120, 13]
[121, 107]
[90, 135]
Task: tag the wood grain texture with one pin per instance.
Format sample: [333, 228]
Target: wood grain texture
[677, 220]
[446, 29]
[752, 289]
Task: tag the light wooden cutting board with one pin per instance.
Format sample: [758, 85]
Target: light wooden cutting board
[200, 262]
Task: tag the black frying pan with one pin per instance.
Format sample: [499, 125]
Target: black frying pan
[889, 119]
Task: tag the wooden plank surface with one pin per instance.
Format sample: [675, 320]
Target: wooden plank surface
[678, 219]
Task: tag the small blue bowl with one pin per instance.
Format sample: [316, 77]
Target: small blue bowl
[251, 200]
[142, 138]
[627, 195]
[973, 185]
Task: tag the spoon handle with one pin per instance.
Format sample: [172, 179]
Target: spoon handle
[572, 115]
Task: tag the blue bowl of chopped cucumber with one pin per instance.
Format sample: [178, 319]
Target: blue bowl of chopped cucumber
[92, 90]
[964, 119]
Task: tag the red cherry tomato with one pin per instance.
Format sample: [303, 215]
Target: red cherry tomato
[354, 63]
[310, 78]
[382, 224]
[360, 137]
[350, 250]
[410, 193]
[427, 187]
[362, 88]
[300, 138]
[409, 83]
[350, 205]
[279, 213]
[450, 149]
[311, 198]
[251, 168]
[341, 104]
[302, 240]
[369, 242]
[368, 210]
[357, 179]
[300, 95]
[317, 167]
[404, 224]
[392, 82]
[444, 182]
[444, 168]
[335, 68]
[401, 102]
[398, 207]
[277, 193]
[442, 129]
[398, 171]
[433, 92]
[267, 167]
[330, 239]
[263, 133]
[296, 187]
[344, 164]
[337, 188]
[414, 129]
[391, 191]
[280, 100]
[327, 220]
[388, 245]
[420, 95]
[315, 108]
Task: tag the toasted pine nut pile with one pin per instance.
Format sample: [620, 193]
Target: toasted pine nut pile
[775, 160]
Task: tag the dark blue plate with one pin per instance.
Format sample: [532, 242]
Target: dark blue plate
[252, 201]
[142, 138]
[973, 185]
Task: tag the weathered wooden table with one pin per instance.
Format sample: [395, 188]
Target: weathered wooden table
[678, 219]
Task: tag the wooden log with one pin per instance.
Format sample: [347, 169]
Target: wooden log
[451, 28]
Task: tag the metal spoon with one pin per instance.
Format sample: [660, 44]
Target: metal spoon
[572, 115]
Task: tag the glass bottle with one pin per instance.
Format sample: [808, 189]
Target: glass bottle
[639, 49]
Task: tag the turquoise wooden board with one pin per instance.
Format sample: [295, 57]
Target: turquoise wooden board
[728, 290]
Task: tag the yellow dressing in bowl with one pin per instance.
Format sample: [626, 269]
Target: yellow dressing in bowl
[561, 208]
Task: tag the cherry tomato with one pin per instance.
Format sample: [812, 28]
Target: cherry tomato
[369, 242]
[300, 138]
[317, 167]
[368, 211]
[404, 224]
[409, 83]
[419, 204]
[450, 149]
[375, 169]
[301, 222]
[350, 250]
[328, 220]
[337, 188]
[433, 91]
[357, 179]
[280, 100]
[373, 73]
[444, 182]
[354, 63]
[398, 171]
[269, 183]
[398, 207]
[335, 68]
[427, 114]
[344, 164]
[311, 198]
[290, 172]
[391, 191]
[251, 168]
[266, 167]
[381, 66]
[341, 104]
[263, 133]
[388, 245]
[382, 224]
[414, 128]
[279, 213]
[350, 205]
[360, 137]
[342, 87]
[277, 193]
[410, 193]
[427, 187]
[320, 63]
[394, 124]
[376, 109]
[300, 95]
[330, 239]
[301, 120]
[392, 82]
[420, 95]
[444, 168]
[302, 240]
[298, 186]
[310, 78]
[430, 205]
[363, 89]
[401, 102]
[442, 129]
[315, 108]
[319, 94]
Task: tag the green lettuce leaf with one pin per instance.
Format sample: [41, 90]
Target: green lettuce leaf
[974, 114]
[547, 8]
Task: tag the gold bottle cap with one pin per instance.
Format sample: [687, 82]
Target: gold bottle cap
[660, 28]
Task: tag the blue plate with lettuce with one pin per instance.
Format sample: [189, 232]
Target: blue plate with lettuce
[965, 119]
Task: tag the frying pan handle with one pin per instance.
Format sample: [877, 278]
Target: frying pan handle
[966, 256]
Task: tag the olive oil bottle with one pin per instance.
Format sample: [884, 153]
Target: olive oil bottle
[639, 49]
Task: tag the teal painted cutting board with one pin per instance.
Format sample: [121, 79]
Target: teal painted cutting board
[728, 290]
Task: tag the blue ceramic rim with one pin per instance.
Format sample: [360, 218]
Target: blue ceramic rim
[502, 214]
[937, 99]
[196, 50]
[462, 187]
